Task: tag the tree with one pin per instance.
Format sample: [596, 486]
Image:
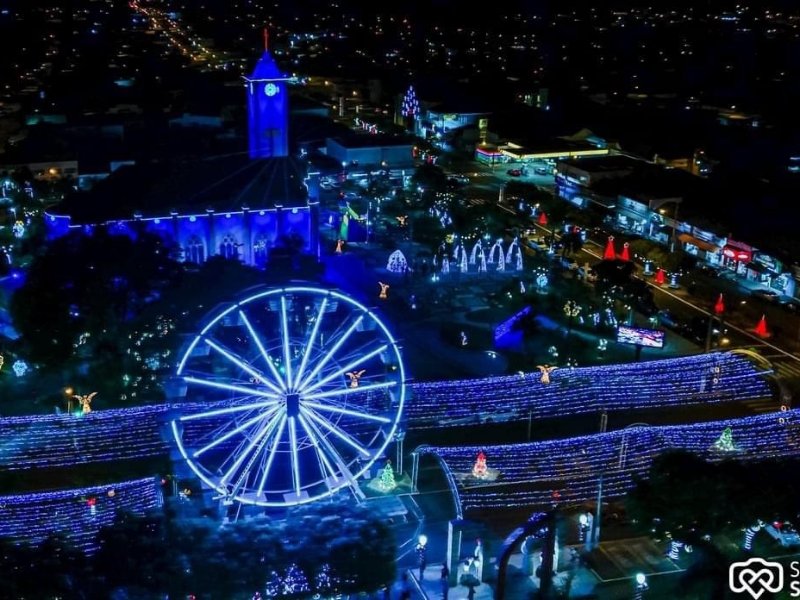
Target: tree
[352, 547]
[733, 494]
[52, 569]
[430, 179]
[82, 291]
[137, 553]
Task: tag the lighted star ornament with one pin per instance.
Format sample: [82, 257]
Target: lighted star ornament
[545, 370]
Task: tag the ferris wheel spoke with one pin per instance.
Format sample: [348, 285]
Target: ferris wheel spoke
[332, 451]
[345, 411]
[271, 456]
[347, 439]
[287, 357]
[349, 390]
[235, 388]
[317, 446]
[245, 472]
[246, 425]
[345, 369]
[244, 366]
[310, 344]
[243, 455]
[330, 354]
[264, 354]
[295, 459]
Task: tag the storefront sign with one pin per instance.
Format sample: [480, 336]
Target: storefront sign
[769, 262]
[737, 254]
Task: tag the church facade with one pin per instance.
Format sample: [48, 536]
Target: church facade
[245, 206]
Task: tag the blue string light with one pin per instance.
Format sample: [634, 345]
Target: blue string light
[78, 513]
[705, 378]
[534, 474]
[135, 433]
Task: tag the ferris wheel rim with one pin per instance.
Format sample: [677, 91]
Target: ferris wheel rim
[376, 446]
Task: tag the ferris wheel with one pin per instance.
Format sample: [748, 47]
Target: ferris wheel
[291, 395]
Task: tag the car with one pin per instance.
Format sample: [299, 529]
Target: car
[766, 295]
[784, 533]
[792, 305]
[668, 319]
[541, 171]
[461, 179]
[514, 172]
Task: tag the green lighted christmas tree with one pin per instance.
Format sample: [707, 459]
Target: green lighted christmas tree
[725, 442]
[386, 479]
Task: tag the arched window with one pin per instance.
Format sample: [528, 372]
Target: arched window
[260, 252]
[195, 250]
[228, 247]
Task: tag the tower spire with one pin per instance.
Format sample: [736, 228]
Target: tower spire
[266, 39]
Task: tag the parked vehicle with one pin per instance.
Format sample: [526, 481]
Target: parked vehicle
[792, 305]
[668, 319]
[784, 533]
[541, 171]
[766, 295]
[514, 172]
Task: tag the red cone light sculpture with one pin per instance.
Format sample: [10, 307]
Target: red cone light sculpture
[610, 253]
[626, 255]
[659, 279]
[761, 329]
[719, 307]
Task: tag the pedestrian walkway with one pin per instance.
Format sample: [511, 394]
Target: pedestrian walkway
[576, 576]
[433, 587]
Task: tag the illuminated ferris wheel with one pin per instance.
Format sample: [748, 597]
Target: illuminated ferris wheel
[292, 394]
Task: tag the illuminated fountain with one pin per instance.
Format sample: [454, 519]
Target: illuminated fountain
[472, 257]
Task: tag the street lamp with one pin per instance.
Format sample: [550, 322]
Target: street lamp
[640, 586]
[594, 535]
[422, 554]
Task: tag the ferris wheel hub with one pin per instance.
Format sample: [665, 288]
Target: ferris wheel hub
[292, 404]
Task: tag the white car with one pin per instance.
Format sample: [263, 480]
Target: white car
[784, 532]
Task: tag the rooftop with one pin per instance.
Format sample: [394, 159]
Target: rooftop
[222, 183]
[606, 163]
[372, 141]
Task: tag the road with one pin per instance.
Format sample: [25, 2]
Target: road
[742, 312]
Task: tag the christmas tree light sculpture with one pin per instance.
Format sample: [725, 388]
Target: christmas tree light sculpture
[725, 442]
[479, 470]
[410, 107]
[386, 480]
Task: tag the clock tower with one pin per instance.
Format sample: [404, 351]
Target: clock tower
[267, 109]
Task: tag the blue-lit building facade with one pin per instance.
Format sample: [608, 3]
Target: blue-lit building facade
[245, 205]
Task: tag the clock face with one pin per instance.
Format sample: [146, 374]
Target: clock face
[270, 89]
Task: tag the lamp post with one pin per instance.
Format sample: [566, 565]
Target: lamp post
[640, 586]
[69, 393]
[422, 554]
[594, 535]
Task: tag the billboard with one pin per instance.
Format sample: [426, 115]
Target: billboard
[637, 336]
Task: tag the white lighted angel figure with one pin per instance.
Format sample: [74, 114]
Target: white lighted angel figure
[86, 402]
[545, 371]
[355, 376]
